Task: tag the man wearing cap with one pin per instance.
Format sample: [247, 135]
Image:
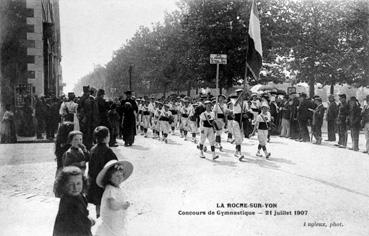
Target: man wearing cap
[230, 118]
[207, 130]
[145, 117]
[343, 110]
[332, 113]
[193, 120]
[354, 118]
[303, 115]
[173, 107]
[318, 115]
[140, 127]
[103, 108]
[220, 113]
[239, 108]
[184, 114]
[365, 123]
[164, 125]
[88, 116]
[155, 120]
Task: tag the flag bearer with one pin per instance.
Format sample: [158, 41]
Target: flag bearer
[239, 108]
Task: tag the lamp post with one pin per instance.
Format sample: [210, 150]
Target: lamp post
[130, 76]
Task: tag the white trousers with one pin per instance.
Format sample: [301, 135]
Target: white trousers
[207, 133]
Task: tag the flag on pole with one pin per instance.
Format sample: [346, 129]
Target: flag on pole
[254, 52]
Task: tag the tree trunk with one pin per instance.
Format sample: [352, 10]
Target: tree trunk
[165, 90]
[311, 87]
[332, 89]
[189, 88]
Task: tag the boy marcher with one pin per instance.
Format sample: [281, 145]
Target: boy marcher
[207, 130]
[164, 122]
[262, 126]
[220, 113]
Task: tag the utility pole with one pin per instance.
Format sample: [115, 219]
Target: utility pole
[130, 76]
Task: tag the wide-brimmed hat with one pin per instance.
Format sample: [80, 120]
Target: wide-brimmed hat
[125, 165]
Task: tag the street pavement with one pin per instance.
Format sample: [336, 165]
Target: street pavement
[323, 184]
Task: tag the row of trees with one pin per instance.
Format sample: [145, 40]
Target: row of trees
[325, 41]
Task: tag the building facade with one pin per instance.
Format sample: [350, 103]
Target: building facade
[30, 52]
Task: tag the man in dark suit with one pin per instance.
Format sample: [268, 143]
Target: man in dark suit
[88, 116]
[303, 115]
[342, 119]
[129, 116]
[331, 118]
[318, 115]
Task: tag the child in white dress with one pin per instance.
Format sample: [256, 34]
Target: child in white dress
[113, 202]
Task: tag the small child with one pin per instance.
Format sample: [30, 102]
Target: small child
[261, 124]
[72, 217]
[113, 202]
[100, 155]
[77, 154]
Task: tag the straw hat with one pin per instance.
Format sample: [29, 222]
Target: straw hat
[127, 169]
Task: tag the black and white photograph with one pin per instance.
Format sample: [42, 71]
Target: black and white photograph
[184, 117]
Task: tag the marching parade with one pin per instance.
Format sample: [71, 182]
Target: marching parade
[199, 117]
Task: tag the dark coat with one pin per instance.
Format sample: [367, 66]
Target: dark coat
[303, 110]
[354, 117]
[318, 115]
[332, 111]
[129, 122]
[100, 154]
[343, 111]
[72, 218]
[102, 106]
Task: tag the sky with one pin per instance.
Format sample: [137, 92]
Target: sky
[91, 30]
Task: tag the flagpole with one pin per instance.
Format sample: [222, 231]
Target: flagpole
[245, 81]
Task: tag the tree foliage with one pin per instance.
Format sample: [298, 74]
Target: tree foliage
[322, 41]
